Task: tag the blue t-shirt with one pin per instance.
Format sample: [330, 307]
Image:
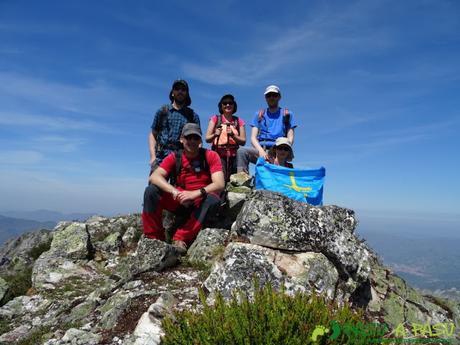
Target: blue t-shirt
[271, 127]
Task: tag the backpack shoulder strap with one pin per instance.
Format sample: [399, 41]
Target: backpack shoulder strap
[286, 121]
[236, 123]
[219, 120]
[261, 115]
[204, 165]
[188, 112]
[163, 113]
[178, 166]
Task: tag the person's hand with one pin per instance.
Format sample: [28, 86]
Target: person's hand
[175, 194]
[218, 131]
[263, 154]
[187, 197]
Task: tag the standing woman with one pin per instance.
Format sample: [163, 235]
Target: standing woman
[226, 133]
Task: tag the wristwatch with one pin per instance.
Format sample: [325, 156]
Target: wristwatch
[203, 192]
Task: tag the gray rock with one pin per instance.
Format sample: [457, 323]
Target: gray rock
[153, 255]
[3, 288]
[71, 242]
[310, 271]
[148, 330]
[208, 245]
[16, 334]
[242, 263]
[235, 202]
[19, 253]
[240, 180]
[81, 312]
[24, 306]
[275, 221]
[76, 337]
[131, 237]
[111, 244]
[113, 308]
[106, 233]
[51, 270]
[163, 306]
[100, 227]
[23, 245]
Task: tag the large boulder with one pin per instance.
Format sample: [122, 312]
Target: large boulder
[273, 220]
[72, 242]
[243, 264]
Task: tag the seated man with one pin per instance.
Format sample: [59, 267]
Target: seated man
[268, 125]
[196, 181]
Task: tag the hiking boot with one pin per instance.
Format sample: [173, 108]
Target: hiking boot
[180, 246]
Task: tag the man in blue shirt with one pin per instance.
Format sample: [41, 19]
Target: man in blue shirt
[268, 125]
[168, 122]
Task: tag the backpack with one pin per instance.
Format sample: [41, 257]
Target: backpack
[218, 144]
[204, 166]
[286, 119]
[164, 112]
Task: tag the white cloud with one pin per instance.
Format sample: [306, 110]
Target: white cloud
[98, 98]
[25, 157]
[55, 143]
[47, 123]
[294, 48]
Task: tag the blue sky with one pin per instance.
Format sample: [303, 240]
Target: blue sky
[374, 86]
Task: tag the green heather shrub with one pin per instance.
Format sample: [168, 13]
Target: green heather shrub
[270, 318]
[35, 252]
[18, 284]
[38, 336]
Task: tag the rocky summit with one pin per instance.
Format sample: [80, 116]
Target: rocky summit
[102, 282]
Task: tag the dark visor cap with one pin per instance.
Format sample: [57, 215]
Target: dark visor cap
[180, 82]
[191, 128]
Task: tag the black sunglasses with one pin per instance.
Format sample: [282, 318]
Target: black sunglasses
[271, 95]
[228, 103]
[192, 137]
[283, 148]
[180, 88]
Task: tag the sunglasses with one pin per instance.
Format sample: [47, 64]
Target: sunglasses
[271, 95]
[180, 88]
[227, 103]
[283, 148]
[193, 137]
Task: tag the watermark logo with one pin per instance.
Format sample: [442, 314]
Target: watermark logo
[375, 333]
[318, 331]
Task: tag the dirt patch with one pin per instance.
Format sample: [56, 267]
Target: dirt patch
[129, 318]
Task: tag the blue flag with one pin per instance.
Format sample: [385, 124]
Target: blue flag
[299, 184]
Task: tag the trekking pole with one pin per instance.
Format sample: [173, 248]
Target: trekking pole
[227, 172]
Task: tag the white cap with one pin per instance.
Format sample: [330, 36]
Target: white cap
[272, 88]
[285, 141]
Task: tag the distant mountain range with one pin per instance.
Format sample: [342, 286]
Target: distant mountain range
[46, 215]
[11, 227]
[14, 223]
[426, 262]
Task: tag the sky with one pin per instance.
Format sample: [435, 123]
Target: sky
[373, 85]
